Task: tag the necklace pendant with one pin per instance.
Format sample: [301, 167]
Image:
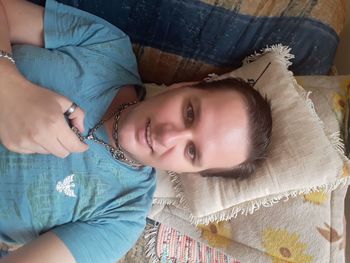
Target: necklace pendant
[117, 152]
[120, 156]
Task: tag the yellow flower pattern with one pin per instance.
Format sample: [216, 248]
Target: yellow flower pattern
[345, 86]
[316, 198]
[283, 246]
[341, 110]
[345, 171]
[339, 102]
[218, 234]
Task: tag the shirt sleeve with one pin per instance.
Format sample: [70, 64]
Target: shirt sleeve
[96, 54]
[69, 26]
[85, 59]
[112, 233]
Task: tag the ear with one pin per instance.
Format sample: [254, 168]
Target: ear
[182, 84]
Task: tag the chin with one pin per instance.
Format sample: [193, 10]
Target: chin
[133, 157]
[147, 163]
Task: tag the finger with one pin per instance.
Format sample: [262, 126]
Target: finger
[19, 150]
[65, 103]
[28, 148]
[36, 149]
[54, 147]
[64, 144]
[24, 152]
[77, 119]
[62, 139]
[50, 143]
[32, 152]
[70, 140]
[41, 151]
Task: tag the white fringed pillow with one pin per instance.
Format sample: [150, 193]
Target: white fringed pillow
[302, 156]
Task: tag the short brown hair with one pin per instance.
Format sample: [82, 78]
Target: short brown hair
[260, 126]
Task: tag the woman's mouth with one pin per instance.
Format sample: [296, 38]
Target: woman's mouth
[148, 134]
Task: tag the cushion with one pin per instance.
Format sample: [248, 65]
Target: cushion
[304, 157]
[330, 95]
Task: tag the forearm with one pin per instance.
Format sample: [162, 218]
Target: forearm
[21, 22]
[8, 70]
[5, 44]
[48, 248]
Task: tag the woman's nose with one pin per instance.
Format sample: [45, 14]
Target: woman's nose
[169, 135]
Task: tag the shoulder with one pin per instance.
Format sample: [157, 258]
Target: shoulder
[76, 21]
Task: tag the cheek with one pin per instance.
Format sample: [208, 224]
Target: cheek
[173, 161]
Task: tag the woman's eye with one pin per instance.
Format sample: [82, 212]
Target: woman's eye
[190, 113]
[191, 151]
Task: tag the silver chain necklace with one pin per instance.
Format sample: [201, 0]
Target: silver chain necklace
[116, 152]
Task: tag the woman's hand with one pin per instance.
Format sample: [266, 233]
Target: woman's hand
[32, 120]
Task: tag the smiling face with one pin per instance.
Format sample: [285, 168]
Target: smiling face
[187, 129]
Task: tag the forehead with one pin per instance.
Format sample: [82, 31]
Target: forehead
[222, 129]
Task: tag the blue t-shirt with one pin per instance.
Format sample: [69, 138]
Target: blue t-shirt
[93, 203]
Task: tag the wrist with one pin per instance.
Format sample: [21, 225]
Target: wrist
[10, 77]
[7, 56]
[7, 68]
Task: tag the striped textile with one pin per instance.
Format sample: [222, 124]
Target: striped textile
[174, 247]
[181, 40]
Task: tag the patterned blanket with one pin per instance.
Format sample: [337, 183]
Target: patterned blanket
[185, 40]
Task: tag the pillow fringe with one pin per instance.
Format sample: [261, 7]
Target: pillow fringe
[283, 51]
[175, 179]
[337, 142]
[150, 236]
[166, 201]
[306, 96]
[250, 207]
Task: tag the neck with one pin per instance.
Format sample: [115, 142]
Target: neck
[125, 94]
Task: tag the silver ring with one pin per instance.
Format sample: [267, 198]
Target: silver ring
[71, 109]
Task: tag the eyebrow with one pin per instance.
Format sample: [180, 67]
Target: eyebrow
[197, 107]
